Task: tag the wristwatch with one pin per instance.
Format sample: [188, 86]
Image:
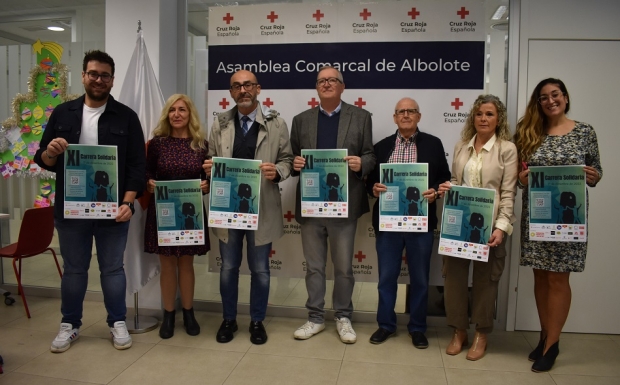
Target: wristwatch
[130, 205]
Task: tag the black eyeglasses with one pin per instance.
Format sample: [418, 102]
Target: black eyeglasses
[409, 111]
[330, 81]
[246, 86]
[93, 76]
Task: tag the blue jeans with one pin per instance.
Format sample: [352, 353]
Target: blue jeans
[76, 242]
[258, 262]
[390, 246]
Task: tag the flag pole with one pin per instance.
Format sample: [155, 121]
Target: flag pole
[141, 324]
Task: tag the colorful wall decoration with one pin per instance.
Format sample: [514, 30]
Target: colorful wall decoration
[21, 133]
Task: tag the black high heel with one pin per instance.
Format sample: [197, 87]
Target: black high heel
[545, 362]
[538, 351]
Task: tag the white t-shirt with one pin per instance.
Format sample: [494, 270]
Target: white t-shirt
[90, 129]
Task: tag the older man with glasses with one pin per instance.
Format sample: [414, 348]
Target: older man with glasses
[245, 132]
[333, 124]
[407, 145]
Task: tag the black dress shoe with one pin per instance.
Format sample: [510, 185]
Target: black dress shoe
[545, 362]
[419, 340]
[258, 334]
[380, 336]
[226, 330]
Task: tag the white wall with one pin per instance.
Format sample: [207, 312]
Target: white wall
[578, 25]
[159, 25]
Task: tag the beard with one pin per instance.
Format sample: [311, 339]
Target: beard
[97, 95]
[243, 102]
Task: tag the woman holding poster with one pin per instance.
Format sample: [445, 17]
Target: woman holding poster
[484, 158]
[545, 136]
[176, 152]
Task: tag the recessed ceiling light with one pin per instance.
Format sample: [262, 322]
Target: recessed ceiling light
[55, 29]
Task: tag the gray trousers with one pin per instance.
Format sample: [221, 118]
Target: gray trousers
[315, 233]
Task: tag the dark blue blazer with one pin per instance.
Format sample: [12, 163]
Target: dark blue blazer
[118, 126]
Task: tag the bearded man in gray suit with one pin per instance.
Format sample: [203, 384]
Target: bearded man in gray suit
[246, 132]
[334, 124]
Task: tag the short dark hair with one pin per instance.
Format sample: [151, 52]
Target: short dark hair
[99, 56]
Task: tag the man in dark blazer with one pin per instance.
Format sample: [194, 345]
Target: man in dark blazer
[407, 145]
[334, 124]
[94, 119]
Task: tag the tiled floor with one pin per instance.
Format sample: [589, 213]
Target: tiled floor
[323, 359]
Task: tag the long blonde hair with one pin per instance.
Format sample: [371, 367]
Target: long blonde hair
[502, 130]
[195, 129]
[531, 127]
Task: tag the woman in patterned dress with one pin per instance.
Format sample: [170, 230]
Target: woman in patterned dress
[176, 152]
[545, 136]
[484, 158]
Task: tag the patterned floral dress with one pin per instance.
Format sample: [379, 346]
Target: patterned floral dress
[576, 147]
[171, 158]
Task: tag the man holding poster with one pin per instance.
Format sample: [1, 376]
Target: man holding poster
[334, 124]
[407, 145]
[94, 119]
[246, 132]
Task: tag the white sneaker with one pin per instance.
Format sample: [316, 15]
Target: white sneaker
[66, 335]
[345, 330]
[307, 330]
[120, 335]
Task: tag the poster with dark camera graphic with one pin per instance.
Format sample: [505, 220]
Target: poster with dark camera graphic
[235, 193]
[557, 197]
[403, 207]
[325, 184]
[91, 182]
[467, 222]
[180, 219]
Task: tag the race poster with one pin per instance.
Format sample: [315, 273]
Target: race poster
[467, 223]
[180, 219]
[91, 182]
[403, 207]
[558, 209]
[325, 184]
[235, 193]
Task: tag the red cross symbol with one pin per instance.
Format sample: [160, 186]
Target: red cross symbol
[228, 18]
[318, 15]
[272, 16]
[413, 13]
[360, 103]
[289, 216]
[268, 103]
[456, 103]
[365, 14]
[404, 258]
[463, 12]
[313, 103]
[271, 253]
[359, 256]
[224, 103]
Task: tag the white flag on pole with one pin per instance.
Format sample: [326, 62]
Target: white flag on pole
[141, 93]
